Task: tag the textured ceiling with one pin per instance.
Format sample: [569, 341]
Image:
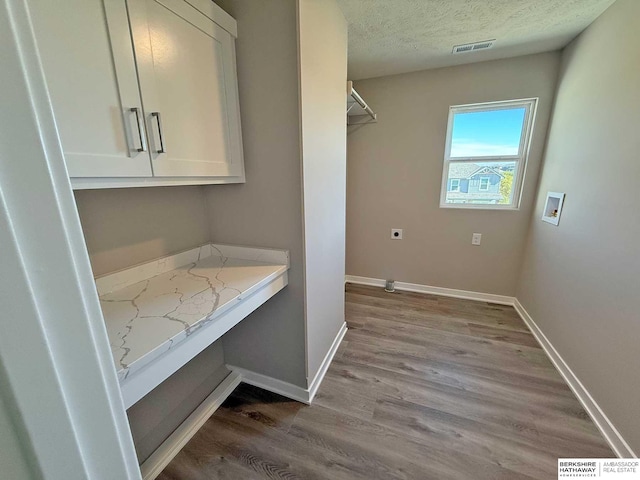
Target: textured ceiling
[396, 36]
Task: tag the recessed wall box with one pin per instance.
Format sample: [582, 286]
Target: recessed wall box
[553, 208]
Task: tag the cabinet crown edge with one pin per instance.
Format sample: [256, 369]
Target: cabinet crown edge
[210, 10]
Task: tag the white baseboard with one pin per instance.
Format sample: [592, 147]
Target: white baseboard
[445, 292]
[161, 457]
[271, 384]
[289, 390]
[328, 358]
[154, 465]
[608, 430]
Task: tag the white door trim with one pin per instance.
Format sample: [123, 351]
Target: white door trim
[58, 374]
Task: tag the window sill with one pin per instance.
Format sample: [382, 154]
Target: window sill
[508, 208]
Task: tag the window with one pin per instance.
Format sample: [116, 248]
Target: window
[486, 153]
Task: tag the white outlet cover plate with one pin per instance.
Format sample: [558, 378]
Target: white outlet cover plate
[396, 234]
[476, 239]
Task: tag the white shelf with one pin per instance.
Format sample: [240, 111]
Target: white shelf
[161, 314]
[358, 112]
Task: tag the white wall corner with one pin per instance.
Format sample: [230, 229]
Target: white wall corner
[289, 390]
[326, 362]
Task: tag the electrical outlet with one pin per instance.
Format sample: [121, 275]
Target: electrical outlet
[396, 234]
[476, 238]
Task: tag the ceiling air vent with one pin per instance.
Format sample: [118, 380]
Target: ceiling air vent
[472, 47]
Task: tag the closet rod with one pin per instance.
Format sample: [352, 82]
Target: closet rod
[356, 96]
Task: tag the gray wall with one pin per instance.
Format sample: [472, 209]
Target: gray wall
[323, 78]
[579, 280]
[394, 173]
[267, 210]
[127, 226]
[161, 411]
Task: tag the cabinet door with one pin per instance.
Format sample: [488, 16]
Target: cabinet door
[93, 86]
[186, 67]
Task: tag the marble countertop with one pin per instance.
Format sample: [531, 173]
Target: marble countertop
[151, 308]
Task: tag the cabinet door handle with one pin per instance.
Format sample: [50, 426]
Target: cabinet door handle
[143, 143]
[157, 115]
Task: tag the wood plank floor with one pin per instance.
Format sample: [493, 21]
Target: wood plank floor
[422, 387]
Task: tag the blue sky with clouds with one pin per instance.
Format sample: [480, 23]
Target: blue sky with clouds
[488, 133]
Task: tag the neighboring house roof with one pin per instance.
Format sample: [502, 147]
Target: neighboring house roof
[462, 170]
[468, 170]
[473, 196]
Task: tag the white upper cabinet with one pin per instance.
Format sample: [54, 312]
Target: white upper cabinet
[144, 91]
[99, 116]
[189, 89]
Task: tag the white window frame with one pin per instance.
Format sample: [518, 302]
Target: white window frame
[457, 189]
[530, 106]
[488, 179]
